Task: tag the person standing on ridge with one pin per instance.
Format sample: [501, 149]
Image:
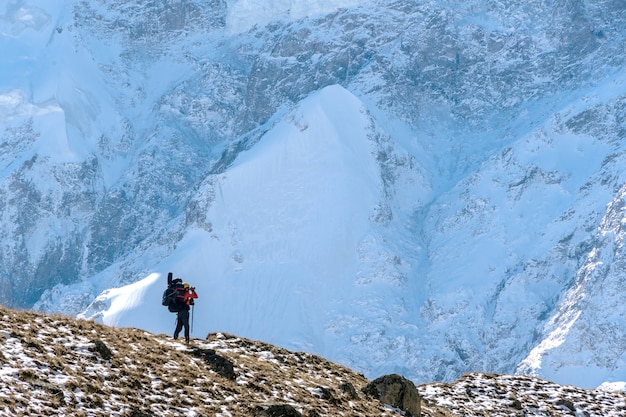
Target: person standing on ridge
[184, 300]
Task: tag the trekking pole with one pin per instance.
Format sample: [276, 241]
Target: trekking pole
[192, 309]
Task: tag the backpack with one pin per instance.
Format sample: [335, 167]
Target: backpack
[170, 295]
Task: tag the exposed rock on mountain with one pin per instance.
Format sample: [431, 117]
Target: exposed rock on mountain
[493, 395]
[397, 391]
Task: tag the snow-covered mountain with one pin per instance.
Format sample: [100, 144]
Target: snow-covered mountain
[426, 188]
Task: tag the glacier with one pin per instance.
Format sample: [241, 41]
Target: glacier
[427, 188]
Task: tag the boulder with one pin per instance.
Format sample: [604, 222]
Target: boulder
[396, 391]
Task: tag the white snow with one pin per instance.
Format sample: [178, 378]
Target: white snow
[244, 14]
[279, 232]
[297, 253]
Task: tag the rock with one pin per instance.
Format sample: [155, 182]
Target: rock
[275, 410]
[102, 349]
[348, 389]
[396, 391]
[216, 362]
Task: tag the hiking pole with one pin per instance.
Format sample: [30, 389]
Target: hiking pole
[192, 309]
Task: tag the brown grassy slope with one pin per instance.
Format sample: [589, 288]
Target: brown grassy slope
[55, 365]
[58, 366]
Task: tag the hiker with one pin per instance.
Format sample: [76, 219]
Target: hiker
[178, 298]
[184, 300]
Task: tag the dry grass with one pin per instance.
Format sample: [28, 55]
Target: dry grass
[482, 394]
[55, 366]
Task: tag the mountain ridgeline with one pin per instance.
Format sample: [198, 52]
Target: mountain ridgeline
[487, 156]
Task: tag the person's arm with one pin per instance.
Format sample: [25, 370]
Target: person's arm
[189, 295]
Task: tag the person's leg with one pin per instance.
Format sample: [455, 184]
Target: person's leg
[184, 315]
[179, 324]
